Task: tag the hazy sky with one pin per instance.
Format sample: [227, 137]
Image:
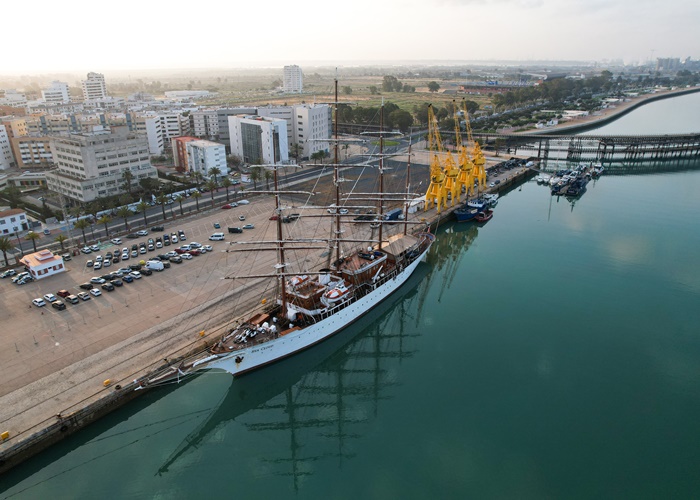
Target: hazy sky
[79, 35]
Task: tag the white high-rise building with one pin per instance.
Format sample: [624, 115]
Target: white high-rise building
[173, 125]
[293, 80]
[94, 87]
[202, 156]
[308, 125]
[205, 124]
[14, 99]
[259, 140]
[56, 93]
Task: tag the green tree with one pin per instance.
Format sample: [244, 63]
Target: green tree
[234, 161]
[124, 212]
[226, 184]
[390, 84]
[211, 186]
[82, 224]
[179, 198]
[162, 200]
[256, 175]
[373, 90]
[105, 219]
[61, 238]
[127, 177]
[5, 246]
[347, 90]
[32, 236]
[196, 195]
[143, 208]
[215, 172]
[433, 86]
[13, 195]
[402, 119]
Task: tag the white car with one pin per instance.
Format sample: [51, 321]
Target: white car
[84, 296]
[194, 244]
[143, 232]
[241, 217]
[98, 265]
[95, 292]
[39, 302]
[135, 274]
[50, 297]
[172, 253]
[116, 241]
[125, 255]
[159, 244]
[208, 248]
[94, 248]
[98, 258]
[243, 202]
[97, 280]
[186, 256]
[85, 250]
[173, 238]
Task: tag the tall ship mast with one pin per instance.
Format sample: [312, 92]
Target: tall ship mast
[311, 306]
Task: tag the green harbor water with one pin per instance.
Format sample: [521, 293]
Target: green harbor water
[553, 352]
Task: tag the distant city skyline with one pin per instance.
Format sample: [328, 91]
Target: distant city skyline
[82, 36]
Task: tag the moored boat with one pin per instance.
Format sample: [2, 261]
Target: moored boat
[484, 216]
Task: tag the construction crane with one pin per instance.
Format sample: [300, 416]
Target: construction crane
[436, 193]
[465, 179]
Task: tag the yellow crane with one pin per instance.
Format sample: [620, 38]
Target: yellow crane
[477, 155]
[436, 195]
[465, 179]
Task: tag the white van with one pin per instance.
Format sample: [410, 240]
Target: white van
[155, 265]
[217, 237]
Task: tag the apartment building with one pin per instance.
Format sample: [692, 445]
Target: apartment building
[91, 166]
[259, 140]
[173, 125]
[292, 79]
[94, 87]
[57, 93]
[32, 152]
[203, 155]
[179, 147]
[205, 124]
[308, 125]
[13, 221]
[6, 157]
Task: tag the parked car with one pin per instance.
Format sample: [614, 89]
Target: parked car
[108, 286]
[181, 235]
[128, 278]
[58, 305]
[39, 302]
[241, 218]
[98, 265]
[217, 225]
[226, 207]
[8, 273]
[72, 299]
[89, 263]
[177, 259]
[207, 248]
[117, 282]
[135, 274]
[84, 295]
[94, 248]
[50, 297]
[66, 257]
[249, 226]
[63, 293]
[85, 286]
[186, 256]
[157, 228]
[243, 202]
[194, 252]
[146, 271]
[173, 238]
[143, 232]
[97, 280]
[235, 230]
[116, 241]
[132, 236]
[85, 250]
[95, 292]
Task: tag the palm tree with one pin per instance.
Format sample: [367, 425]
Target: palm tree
[82, 224]
[124, 213]
[268, 176]
[32, 236]
[255, 176]
[162, 200]
[127, 176]
[143, 207]
[226, 183]
[211, 186]
[197, 195]
[5, 246]
[61, 238]
[214, 172]
[179, 198]
[105, 219]
[92, 208]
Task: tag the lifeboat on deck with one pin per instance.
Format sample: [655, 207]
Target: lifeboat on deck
[336, 294]
[298, 280]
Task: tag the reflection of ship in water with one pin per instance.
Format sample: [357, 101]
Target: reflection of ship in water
[447, 254]
[332, 400]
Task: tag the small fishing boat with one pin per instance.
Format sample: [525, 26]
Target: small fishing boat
[484, 216]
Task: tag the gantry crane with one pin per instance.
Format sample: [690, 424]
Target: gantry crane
[437, 192]
[477, 155]
[465, 179]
